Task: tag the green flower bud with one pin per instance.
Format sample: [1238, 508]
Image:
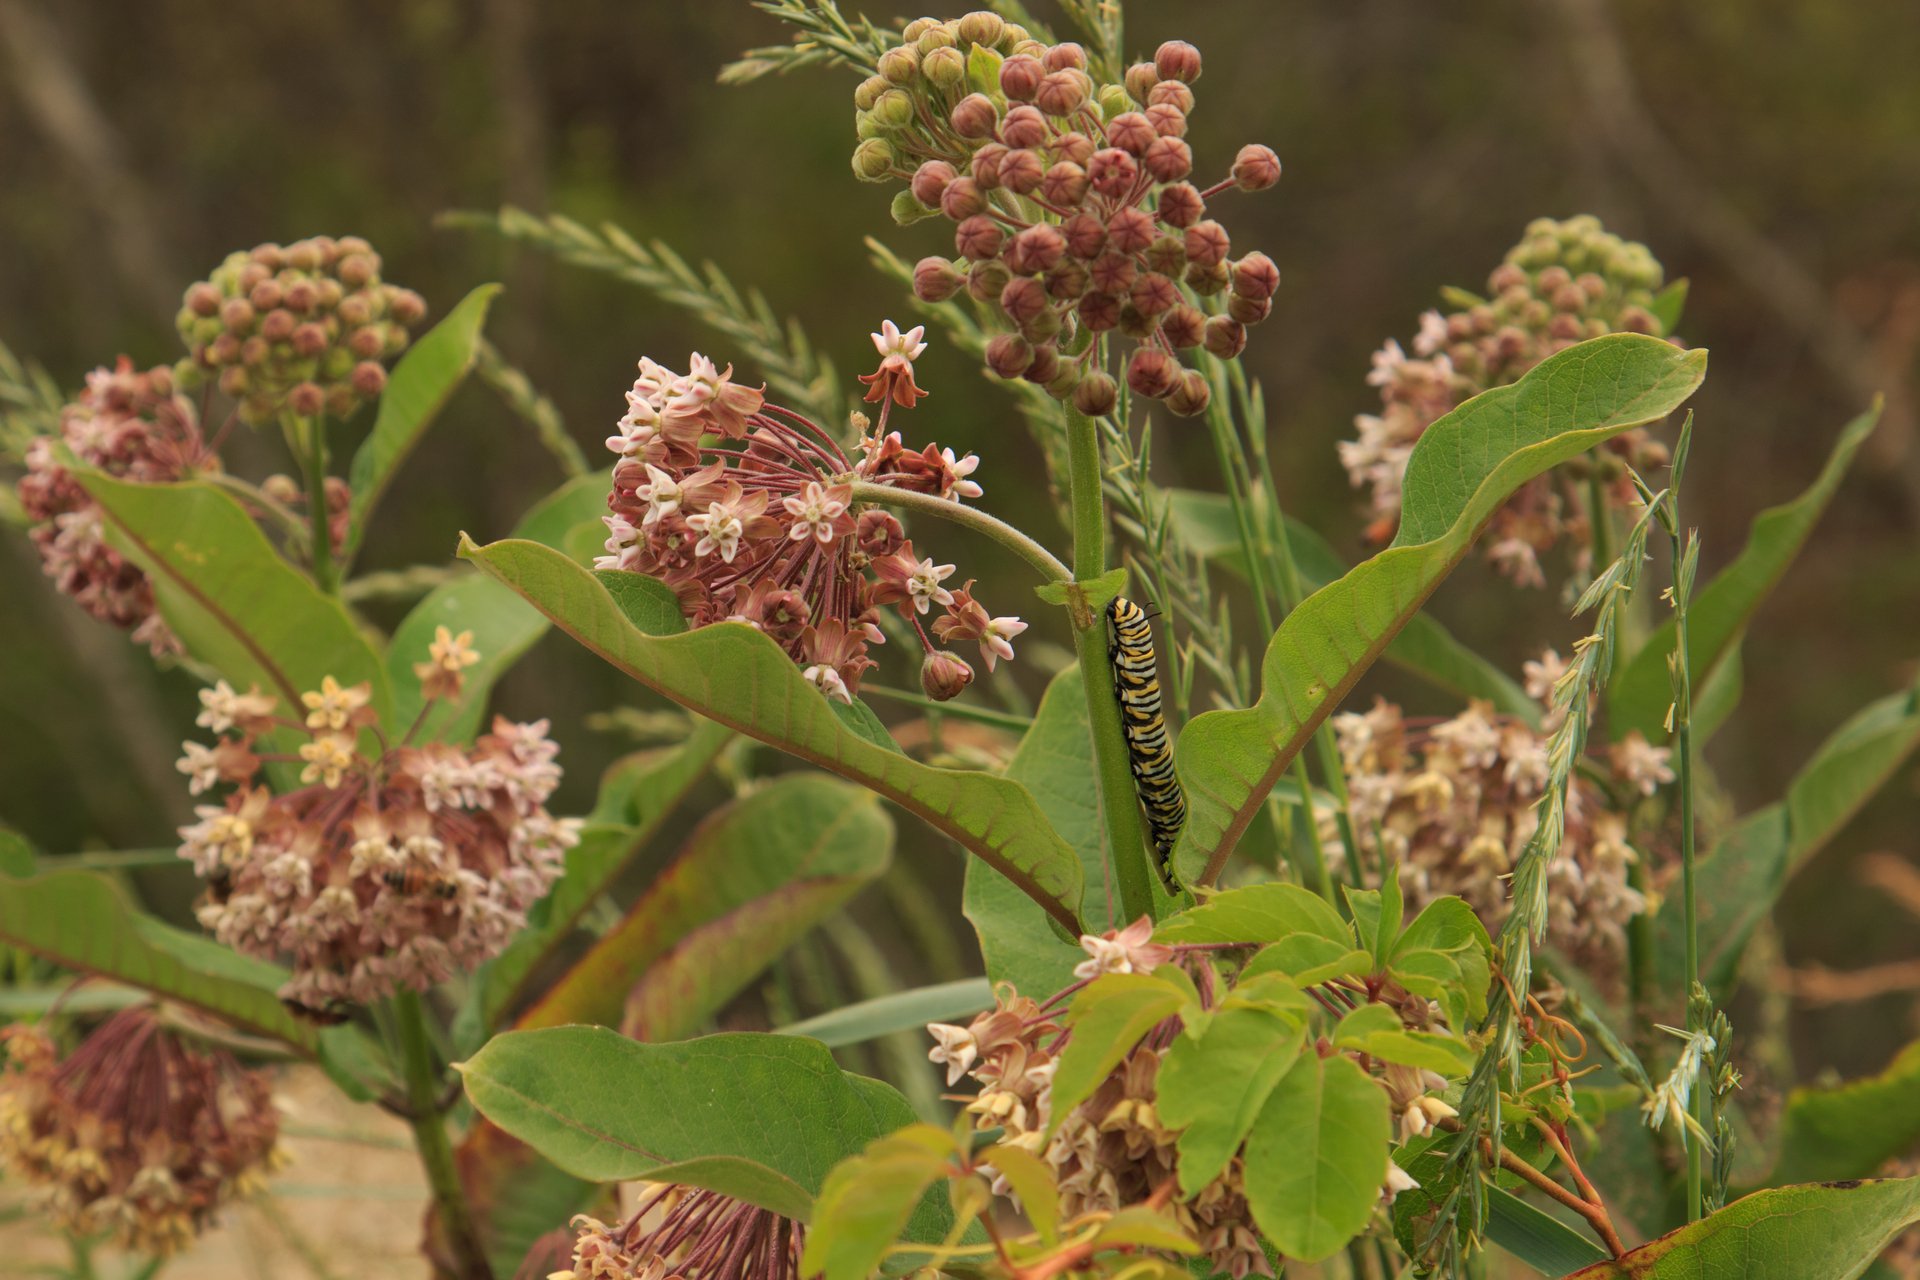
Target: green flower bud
[869, 92]
[894, 110]
[945, 68]
[872, 160]
[900, 65]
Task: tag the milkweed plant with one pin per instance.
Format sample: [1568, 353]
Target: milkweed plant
[1270, 975]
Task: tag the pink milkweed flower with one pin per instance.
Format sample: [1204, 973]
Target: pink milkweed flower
[893, 380]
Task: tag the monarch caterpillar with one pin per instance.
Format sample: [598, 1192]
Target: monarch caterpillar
[1136, 683]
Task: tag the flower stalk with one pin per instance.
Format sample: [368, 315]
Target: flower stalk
[422, 1071]
[1000, 531]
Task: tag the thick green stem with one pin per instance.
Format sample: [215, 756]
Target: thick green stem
[422, 1068]
[1118, 802]
[979, 521]
[320, 540]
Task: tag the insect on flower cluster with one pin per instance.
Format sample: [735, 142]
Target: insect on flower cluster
[388, 867]
[747, 510]
[1073, 210]
[138, 1133]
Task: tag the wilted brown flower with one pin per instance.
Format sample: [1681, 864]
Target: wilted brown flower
[691, 1233]
[137, 1134]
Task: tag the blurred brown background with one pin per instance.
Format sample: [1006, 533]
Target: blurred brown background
[1763, 148]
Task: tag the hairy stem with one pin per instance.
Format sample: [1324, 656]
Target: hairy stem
[1118, 802]
[422, 1070]
[311, 432]
[999, 530]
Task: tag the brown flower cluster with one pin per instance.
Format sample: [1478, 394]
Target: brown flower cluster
[1073, 210]
[128, 424]
[747, 511]
[1563, 283]
[392, 866]
[689, 1233]
[299, 328]
[1453, 802]
[1114, 1151]
[136, 1134]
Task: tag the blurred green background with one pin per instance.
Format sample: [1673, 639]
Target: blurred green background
[1763, 148]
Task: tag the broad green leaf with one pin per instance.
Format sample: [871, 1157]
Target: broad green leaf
[1448, 930]
[1427, 1050]
[16, 855]
[1055, 764]
[504, 626]
[1317, 1156]
[79, 920]
[897, 1011]
[1257, 913]
[734, 674]
[650, 786]
[1108, 1020]
[868, 1200]
[1393, 910]
[415, 393]
[1820, 1231]
[609, 1109]
[1360, 1023]
[235, 604]
[750, 880]
[1463, 469]
[1640, 692]
[1424, 647]
[1852, 1129]
[1145, 1228]
[1213, 1085]
[1744, 873]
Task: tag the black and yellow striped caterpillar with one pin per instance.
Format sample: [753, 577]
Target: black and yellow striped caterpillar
[1136, 683]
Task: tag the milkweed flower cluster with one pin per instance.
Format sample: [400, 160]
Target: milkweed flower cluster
[1563, 283]
[301, 328]
[1453, 802]
[687, 1232]
[1113, 1151]
[1074, 213]
[747, 511]
[131, 425]
[137, 1134]
[387, 868]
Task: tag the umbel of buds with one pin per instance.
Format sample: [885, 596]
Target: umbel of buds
[691, 1233]
[1073, 205]
[134, 426]
[300, 329]
[747, 511]
[137, 1134]
[1455, 802]
[391, 866]
[1563, 283]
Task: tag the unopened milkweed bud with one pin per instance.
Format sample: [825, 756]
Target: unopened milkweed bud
[1249, 310]
[1153, 294]
[1177, 60]
[1045, 364]
[1021, 171]
[1181, 205]
[307, 399]
[872, 160]
[1170, 93]
[1151, 372]
[1113, 272]
[1167, 120]
[1111, 172]
[1140, 79]
[1190, 394]
[1130, 132]
[1167, 255]
[1113, 101]
[962, 199]
[1023, 126]
[1255, 276]
[1183, 325]
[1074, 146]
[985, 165]
[203, 299]
[1207, 244]
[1023, 299]
[1225, 337]
[1061, 93]
[944, 676]
[894, 110]
[974, 116]
[1168, 159]
[981, 27]
[899, 65]
[1064, 186]
[1036, 249]
[869, 92]
[987, 279]
[978, 237]
[1097, 394]
[944, 68]
[1099, 312]
[930, 180]
[1086, 236]
[1067, 280]
[369, 379]
[1009, 355]
[1063, 56]
[935, 280]
[1020, 77]
[1256, 167]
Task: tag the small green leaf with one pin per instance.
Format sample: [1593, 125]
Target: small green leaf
[1667, 306]
[1426, 1050]
[1820, 1231]
[983, 72]
[897, 1011]
[1256, 913]
[1032, 1179]
[1108, 1020]
[1462, 470]
[1317, 1156]
[1144, 1228]
[79, 920]
[1309, 960]
[1851, 1129]
[1212, 1086]
[419, 387]
[1638, 696]
[1352, 1031]
[738, 676]
[868, 1200]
